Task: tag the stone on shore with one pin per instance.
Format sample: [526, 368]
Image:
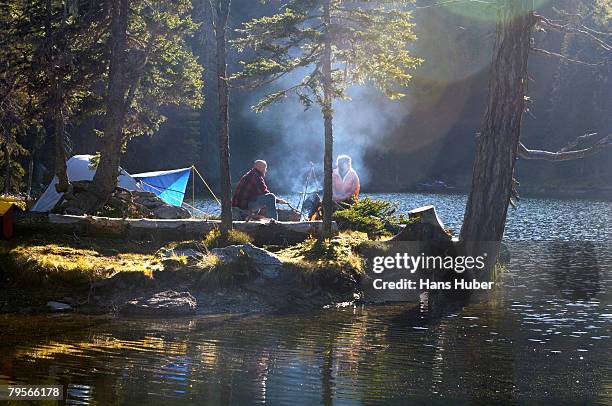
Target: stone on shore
[58, 306]
[171, 212]
[168, 303]
[264, 263]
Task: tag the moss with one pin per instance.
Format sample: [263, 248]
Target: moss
[327, 262]
[41, 262]
[214, 239]
[225, 274]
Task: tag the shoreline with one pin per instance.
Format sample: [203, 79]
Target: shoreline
[96, 276]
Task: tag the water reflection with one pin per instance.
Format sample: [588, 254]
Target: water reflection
[576, 269]
[544, 337]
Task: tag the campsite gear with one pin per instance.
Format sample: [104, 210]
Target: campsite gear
[205, 184]
[310, 176]
[8, 202]
[7, 206]
[288, 215]
[168, 185]
[78, 168]
[311, 205]
[7, 223]
[293, 214]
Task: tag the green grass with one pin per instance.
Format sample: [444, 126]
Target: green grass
[57, 262]
[214, 239]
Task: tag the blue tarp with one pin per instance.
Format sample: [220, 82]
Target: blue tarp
[168, 185]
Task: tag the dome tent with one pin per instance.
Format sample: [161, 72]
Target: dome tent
[168, 185]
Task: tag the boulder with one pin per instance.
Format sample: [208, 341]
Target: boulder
[147, 199]
[168, 303]
[171, 212]
[191, 251]
[58, 306]
[122, 203]
[265, 263]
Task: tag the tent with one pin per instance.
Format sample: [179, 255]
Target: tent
[168, 185]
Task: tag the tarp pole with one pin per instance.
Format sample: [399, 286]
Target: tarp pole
[206, 184]
[192, 189]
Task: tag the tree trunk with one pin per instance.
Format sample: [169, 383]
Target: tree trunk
[56, 93]
[222, 11]
[7, 168]
[327, 121]
[105, 179]
[492, 177]
[30, 175]
[61, 170]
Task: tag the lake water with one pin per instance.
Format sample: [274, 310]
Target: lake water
[534, 218]
[544, 337]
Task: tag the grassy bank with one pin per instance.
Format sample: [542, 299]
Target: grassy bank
[44, 267]
[49, 261]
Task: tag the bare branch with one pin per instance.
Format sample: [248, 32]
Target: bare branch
[565, 58]
[564, 154]
[449, 2]
[582, 29]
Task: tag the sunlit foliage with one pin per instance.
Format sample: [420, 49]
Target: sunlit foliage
[369, 45]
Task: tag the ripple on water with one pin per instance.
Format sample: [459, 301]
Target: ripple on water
[546, 334]
[535, 219]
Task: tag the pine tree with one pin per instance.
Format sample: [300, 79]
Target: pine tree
[18, 116]
[220, 12]
[336, 44]
[149, 65]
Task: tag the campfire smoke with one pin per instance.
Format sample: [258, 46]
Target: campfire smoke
[360, 125]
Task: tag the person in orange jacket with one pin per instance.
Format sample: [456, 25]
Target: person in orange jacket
[345, 181]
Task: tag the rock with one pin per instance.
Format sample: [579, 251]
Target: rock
[147, 199]
[264, 262]
[189, 250]
[168, 303]
[75, 211]
[123, 194]
[122, 203]
[58, 306]
[172, 264]
[189, 253]
[171, 212]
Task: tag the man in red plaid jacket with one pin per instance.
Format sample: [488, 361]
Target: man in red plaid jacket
[252, 193]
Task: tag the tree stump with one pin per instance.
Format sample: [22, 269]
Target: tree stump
[429, 227]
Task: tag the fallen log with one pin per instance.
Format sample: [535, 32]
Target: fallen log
[263, 233]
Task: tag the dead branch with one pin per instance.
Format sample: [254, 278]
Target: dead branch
[454, 2]
[577, 29]
[566, 153]
[565, 58]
